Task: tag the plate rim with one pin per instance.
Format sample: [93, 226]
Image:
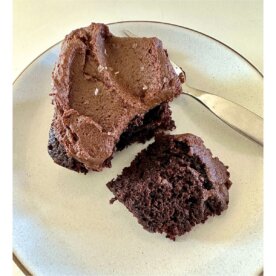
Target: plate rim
[16, 259]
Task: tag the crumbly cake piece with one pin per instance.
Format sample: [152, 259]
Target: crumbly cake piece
[173, 185]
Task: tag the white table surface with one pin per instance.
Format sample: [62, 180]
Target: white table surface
[40, 24]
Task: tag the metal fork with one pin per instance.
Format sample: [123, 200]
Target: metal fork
[236, 116]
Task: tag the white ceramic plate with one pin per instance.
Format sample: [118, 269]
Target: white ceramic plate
[63, 222]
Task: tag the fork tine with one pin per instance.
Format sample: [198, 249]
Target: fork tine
[129, 34]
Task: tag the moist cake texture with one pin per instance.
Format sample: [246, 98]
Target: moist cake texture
[105, 89]
[173, 185]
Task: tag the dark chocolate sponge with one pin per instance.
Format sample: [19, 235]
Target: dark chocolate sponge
[144, 128]
[58, 154]
[173, 185]
[140, 129]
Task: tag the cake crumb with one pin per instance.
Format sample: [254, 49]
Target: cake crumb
[96, 91]
[116, 73]
[100, 68]
[165, 79]
[105, 52]
[145, 87]
[142, 68]
[112, 200]
[134, 45]
[182, 76]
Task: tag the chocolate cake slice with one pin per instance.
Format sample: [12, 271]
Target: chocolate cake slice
[108, 92]
[173, 185]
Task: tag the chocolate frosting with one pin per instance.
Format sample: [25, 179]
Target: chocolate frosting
[100, 83]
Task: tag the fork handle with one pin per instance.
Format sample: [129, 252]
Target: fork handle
[236, 116]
